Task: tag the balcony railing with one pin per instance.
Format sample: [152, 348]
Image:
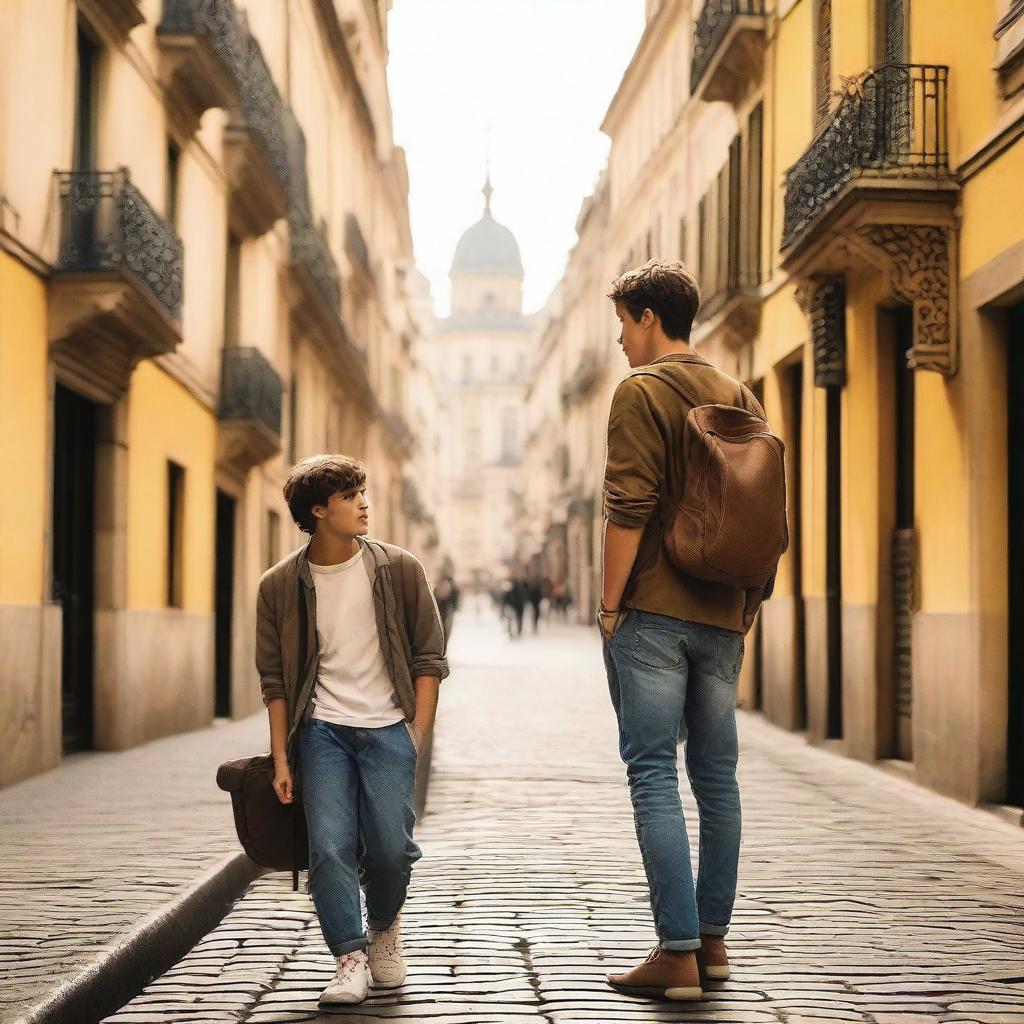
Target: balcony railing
[250, 389]
[712, 28]
[355, 243]
[215, 20]
[107, 224]
[890, 122]
[586, 374]
[262, 107]
[310, 253]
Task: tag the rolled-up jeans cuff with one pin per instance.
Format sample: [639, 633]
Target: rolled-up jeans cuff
[376, 926]
[714, 929]
[680, 945]
[341, 948]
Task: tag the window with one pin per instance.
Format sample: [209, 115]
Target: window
[175, 531]
[822, 62]
[293, 419]
[750, 246]
[231, 291]
[271, 539]
[467, 368]
[86, 101]
[892, 23]
[171, 185]
[509, 439]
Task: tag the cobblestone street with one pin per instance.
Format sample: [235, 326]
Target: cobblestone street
[862, 897]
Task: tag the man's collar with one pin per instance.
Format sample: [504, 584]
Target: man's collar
[678, 357]
[374, 552]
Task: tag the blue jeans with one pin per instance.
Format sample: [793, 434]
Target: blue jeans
[670, 678]
[357, 789]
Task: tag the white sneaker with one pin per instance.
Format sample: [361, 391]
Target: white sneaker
[387, 968]
[351, 983]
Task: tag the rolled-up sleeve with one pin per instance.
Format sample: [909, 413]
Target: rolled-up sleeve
[426, 634]
[636, 456]
[268, 645]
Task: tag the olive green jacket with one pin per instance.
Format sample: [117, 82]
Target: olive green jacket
[412, 639]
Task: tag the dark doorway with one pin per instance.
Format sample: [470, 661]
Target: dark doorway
[903, 559]
[757, 696]
[1015, 556]
[833, 558]
[74, 497]
[794, 496]
[224, 586]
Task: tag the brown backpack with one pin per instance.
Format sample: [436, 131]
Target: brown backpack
[729, 525]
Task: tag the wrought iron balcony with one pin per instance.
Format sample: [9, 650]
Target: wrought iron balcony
[116, 292]
[250, 408]
[201, 53]
[586, 374]
[250, 389]
[257, 151]
[890, 126]
[310, 255]
[727, 45]
[356, 245]
[400, 431]
[107, 225]
[262, 106]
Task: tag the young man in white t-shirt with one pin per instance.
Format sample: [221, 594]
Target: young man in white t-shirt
[350, 651]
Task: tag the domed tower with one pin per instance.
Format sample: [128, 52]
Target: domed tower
[479, 357]
[487, 270]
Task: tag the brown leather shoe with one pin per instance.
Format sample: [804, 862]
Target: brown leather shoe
[665, 974]
[712, 958]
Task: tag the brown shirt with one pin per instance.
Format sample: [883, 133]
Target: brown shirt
[643, 482]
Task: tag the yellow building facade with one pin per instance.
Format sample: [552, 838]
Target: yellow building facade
[205, 259]
[843, 175]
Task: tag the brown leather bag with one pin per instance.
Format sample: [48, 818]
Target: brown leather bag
[729, 525]
[273, 834]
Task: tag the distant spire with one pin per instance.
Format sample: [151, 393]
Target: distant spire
[488, 190]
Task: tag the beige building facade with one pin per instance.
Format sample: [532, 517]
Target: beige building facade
[846, 199]
[205, 265]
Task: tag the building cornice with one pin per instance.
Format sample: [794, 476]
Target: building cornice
[653, 38]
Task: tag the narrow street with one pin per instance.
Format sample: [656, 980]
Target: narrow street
[862, 897]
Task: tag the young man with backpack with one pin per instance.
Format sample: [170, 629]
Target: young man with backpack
[350, 652]
[673, 640]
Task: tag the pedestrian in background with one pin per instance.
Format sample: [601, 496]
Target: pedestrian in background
[350, 673]
[447, 595]
[534, 596]
[672, 644]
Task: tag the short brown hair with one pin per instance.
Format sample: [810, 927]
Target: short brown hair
[312, 482]
[666, 288]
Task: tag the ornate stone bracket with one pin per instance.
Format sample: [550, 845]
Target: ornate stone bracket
[823, 299]
[919, 262]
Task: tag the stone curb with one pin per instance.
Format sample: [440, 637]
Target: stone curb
[149, 949]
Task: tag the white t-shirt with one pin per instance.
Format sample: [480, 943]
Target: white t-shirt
[352, 684]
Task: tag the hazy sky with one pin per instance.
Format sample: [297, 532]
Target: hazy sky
[534, 75]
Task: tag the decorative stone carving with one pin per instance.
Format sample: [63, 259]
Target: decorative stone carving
[917, 260]
[823, 299]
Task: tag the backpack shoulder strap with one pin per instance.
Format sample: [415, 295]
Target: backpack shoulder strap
[676, 386]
